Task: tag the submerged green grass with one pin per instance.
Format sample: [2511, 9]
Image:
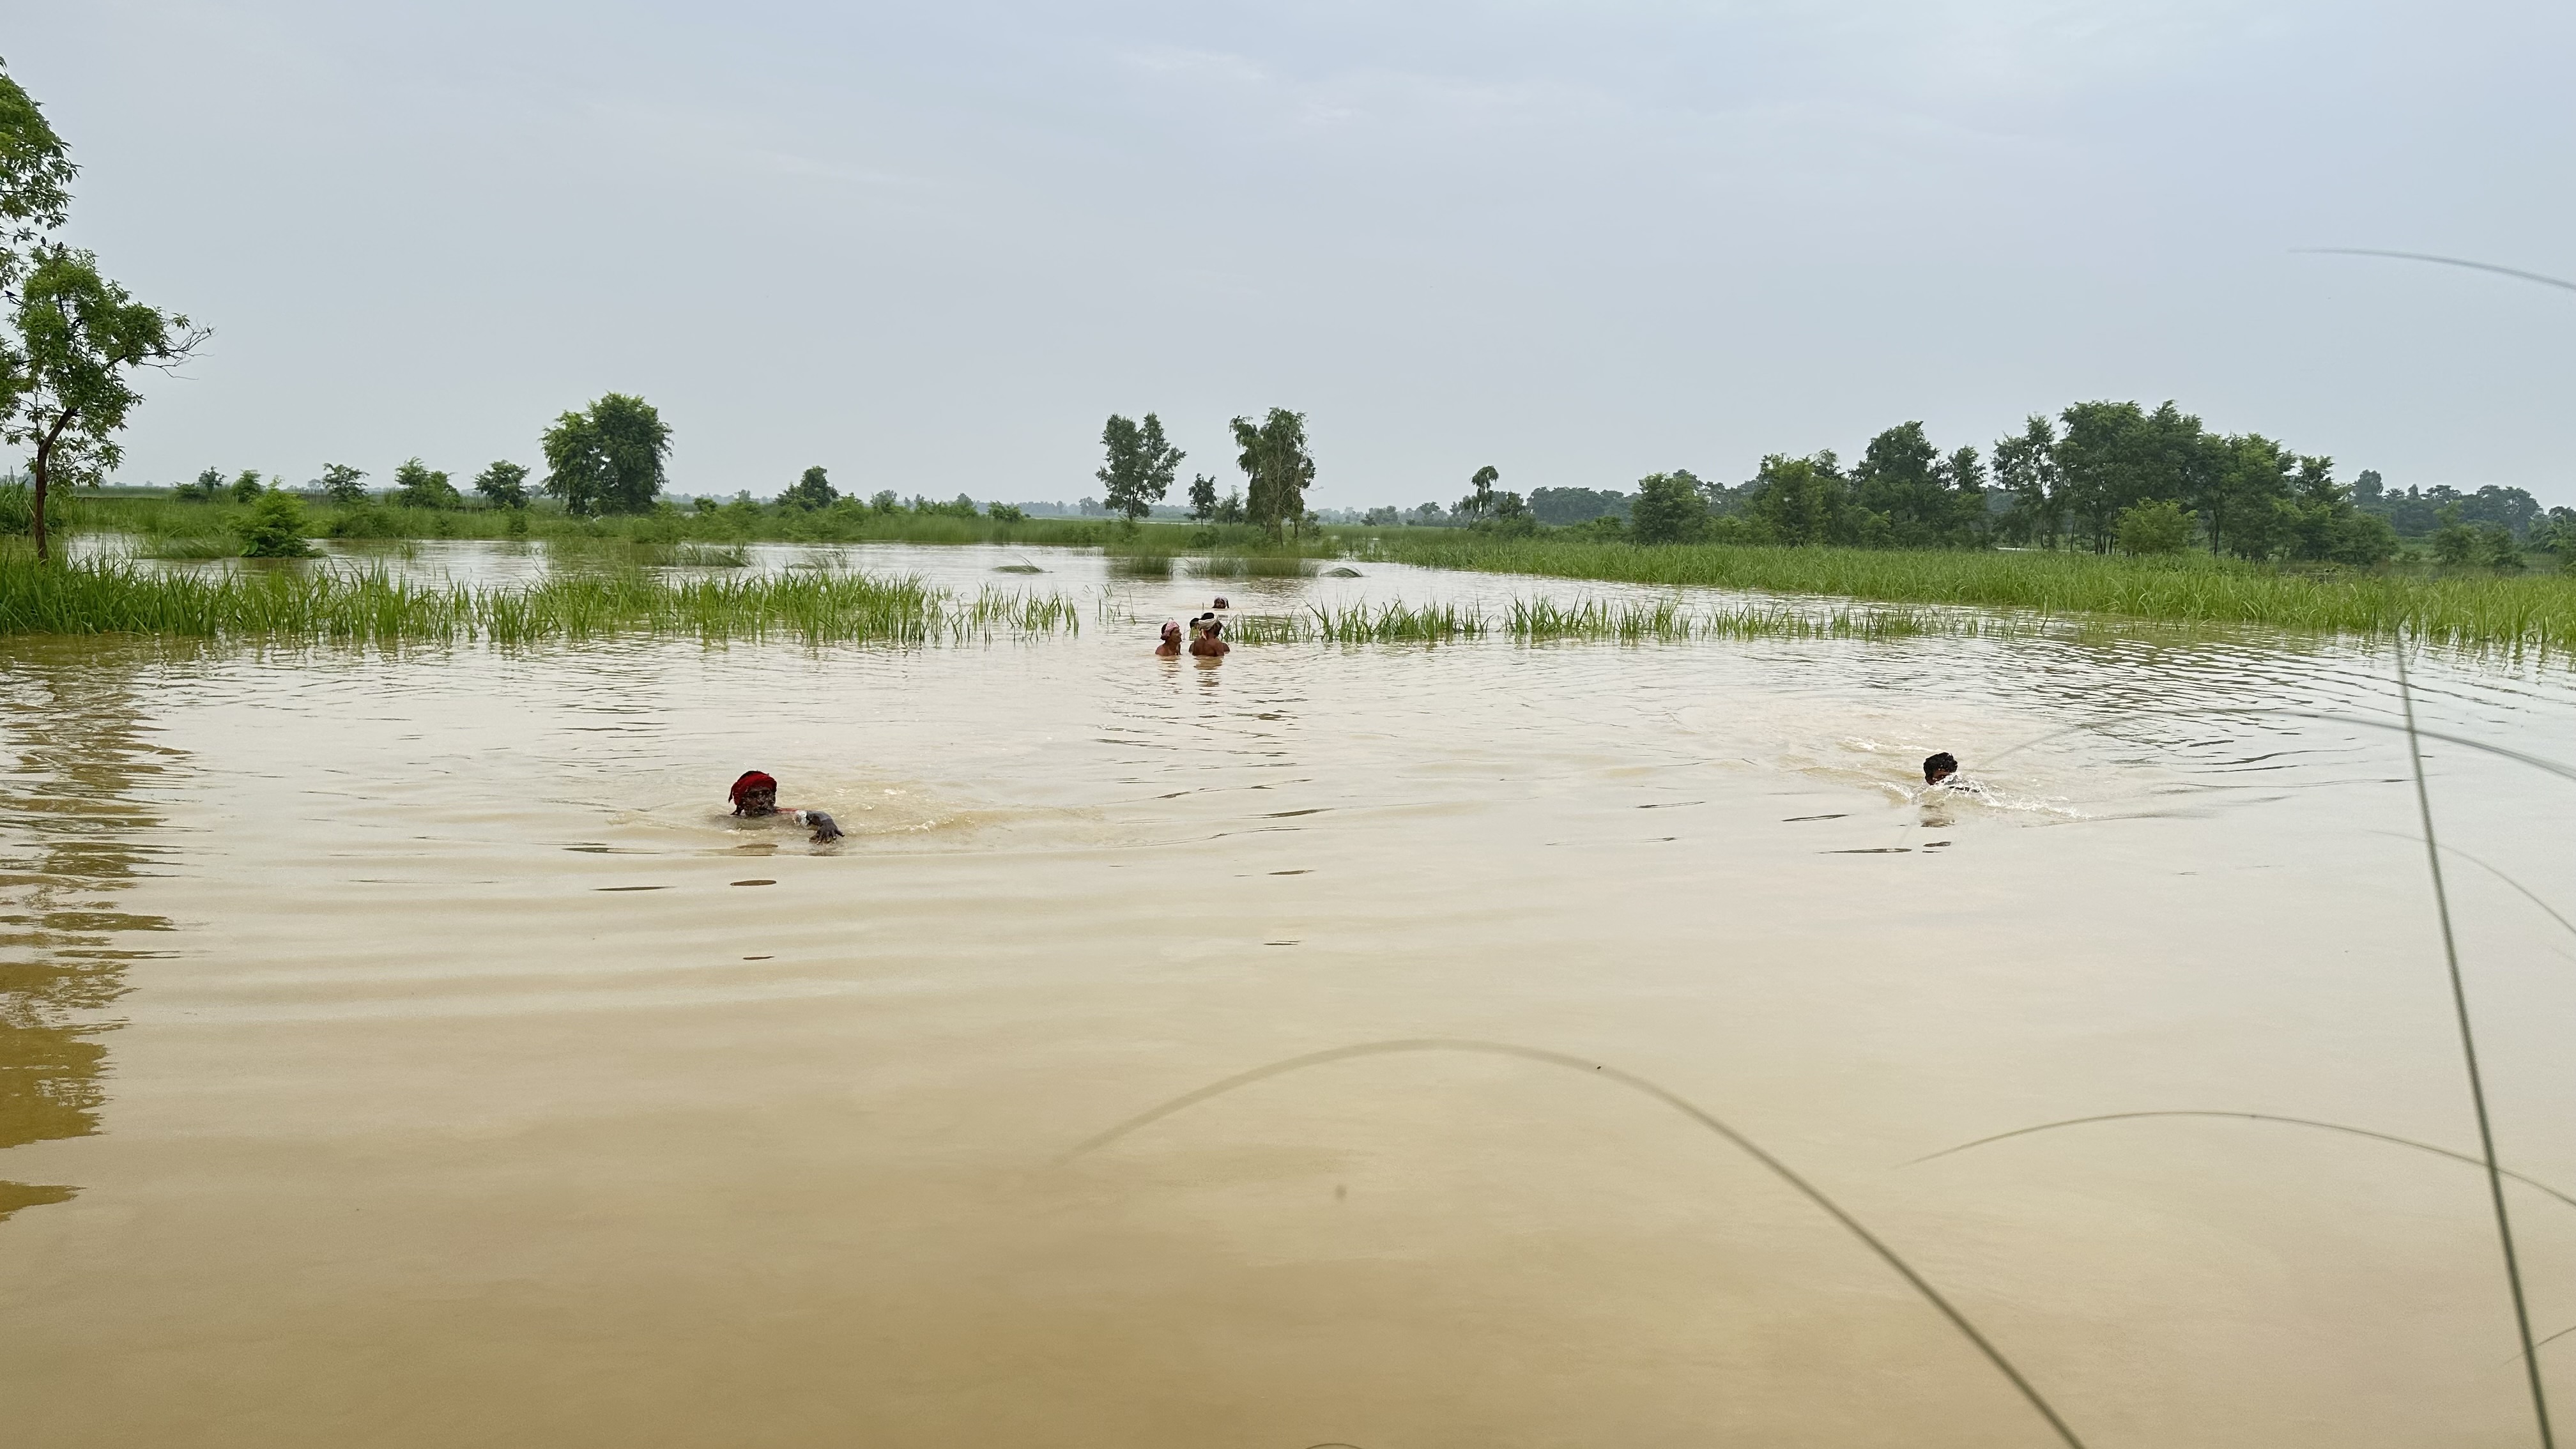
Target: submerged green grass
[1546, 620]
[113, 598]
[2465, 610]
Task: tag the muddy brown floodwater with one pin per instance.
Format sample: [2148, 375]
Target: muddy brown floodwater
[403, 1049]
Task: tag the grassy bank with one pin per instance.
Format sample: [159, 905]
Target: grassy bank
[326, 605]
[2475, 609]
[169, 528]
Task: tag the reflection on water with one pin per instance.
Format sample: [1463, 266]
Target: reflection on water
[71, 838]
[500, 1088]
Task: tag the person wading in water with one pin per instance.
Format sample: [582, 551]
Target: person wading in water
[755, 797]
[1208, 644]
[1170, 648]
[1940, 767]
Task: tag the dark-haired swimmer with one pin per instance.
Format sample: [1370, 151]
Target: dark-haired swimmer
[1170, 648]
[755, 797]
[1208, 644]
[1940, 767]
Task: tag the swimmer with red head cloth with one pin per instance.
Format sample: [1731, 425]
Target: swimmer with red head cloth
[755, 797]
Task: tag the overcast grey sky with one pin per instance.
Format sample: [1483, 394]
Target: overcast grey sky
[931, 246]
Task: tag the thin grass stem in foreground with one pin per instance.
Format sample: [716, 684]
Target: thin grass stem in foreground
[1634, 1083]
[2469, 1058]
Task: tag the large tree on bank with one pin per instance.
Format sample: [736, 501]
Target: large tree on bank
[1138, 466]
[67, 373]
[76, 339]
[608, 458]
[1276, 467]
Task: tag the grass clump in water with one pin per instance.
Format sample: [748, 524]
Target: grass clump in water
[1539, 621]
[110, 597]
[2477, 611]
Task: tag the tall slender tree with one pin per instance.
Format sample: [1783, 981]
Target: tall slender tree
[2026, 467]
[67, 376]
[1139, 466]
[1479, 501]
[77, 340]
[1277, 469]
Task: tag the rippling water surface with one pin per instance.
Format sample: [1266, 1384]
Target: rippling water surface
[406, 1049]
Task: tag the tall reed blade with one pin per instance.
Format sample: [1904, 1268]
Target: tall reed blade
[2469, 1055]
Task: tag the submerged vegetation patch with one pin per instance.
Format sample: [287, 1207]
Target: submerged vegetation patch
[109, 597]
[1547, 620]
[2474, 610]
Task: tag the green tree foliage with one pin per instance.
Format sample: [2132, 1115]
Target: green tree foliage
[2416, 512]
[206, 487]
[814, 490]
[2355, 537]
[35, 180]
[505, 485]
[1479, 501]
[2497, 547]
[417, 485]
[67, 373]
[1801, 501]
[247, 487]
[1921, 498]
[1139, 466]
[345, 485]
[2252, 496]
[2113, 456]
[2026, 470]
[1557, 507]
[2455, 543]
[2156, 527]
[1668, 508]
[1277, 468]
[885, 501]
[1203, 504]
[274, 527]
[609, 457]
[1006, 513]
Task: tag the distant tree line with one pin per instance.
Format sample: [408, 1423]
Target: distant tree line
[2098, 476]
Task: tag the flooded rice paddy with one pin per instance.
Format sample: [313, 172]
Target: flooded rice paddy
[403, 1048]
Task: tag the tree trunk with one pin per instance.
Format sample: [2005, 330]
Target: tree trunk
[44, 471]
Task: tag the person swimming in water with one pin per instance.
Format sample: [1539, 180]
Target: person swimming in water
[1209, 644]
[1170, 648]
[755, 797]
[1940, 767]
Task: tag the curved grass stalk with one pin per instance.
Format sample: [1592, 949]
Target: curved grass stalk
[2376, 1136]
[1695, 1113]
[2537, 762]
